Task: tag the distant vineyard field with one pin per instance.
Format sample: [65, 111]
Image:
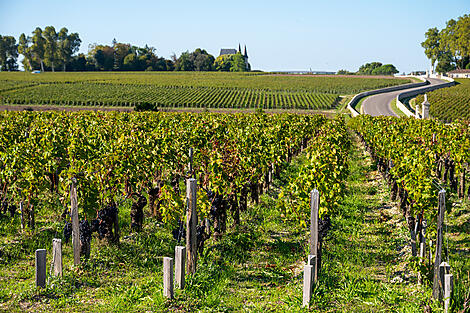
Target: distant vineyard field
[178, 89]
[450, 104]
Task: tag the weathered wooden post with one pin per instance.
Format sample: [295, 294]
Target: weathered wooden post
[444, 269]
[190, 165]
[314, 203]
[448, 289]
[308, 285]
[191, 222]
[75, 225]
[425, 108]
[438, 256]
[56, 257]
[41, 268]
[312, 260]
[168, 277]
[413, 240]
[180, 263]
[430, 255]
[422, 249]
[22, 214]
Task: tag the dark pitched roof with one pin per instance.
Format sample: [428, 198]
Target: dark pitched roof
[228, 51]
[459, 71]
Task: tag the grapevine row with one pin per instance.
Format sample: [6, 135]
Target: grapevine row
[129, 95]
[419, 157]
[263, 81]
[114, 156]
[450, 104]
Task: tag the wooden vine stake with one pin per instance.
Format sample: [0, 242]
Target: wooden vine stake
[436, 286]
[22, 215]
[314, 203]
[448, 289]
[56, 257]
[180, 263]
[422, 249]
[168, 277]
[190, 165]
[191, 222]
[308, 285]
[41, 268]
[75, 226]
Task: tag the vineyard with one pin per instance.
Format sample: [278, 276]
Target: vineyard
[419, 159]
[450, 104]
[111, 155]
[213, 90]
[116, 160]
[254, 173]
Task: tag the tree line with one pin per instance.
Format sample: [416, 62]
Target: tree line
[49, 50]
[373, 68]
[450, 46]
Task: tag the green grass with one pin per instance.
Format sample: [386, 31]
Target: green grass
[395, 108]
[358, 106]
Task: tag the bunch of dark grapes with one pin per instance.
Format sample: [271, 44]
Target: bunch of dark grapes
[85, 232]
[201, 237]
[216, 201]
[105, 219]
[324, 225]
[12, 209]
[67, 231]
[94, 226]
[137, 212]
[179, 233]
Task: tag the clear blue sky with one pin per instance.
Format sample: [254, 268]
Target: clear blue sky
[280, 35]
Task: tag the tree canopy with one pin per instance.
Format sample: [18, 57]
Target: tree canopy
[373, 68]
[8, 53]
[449, 47]
[49, 50]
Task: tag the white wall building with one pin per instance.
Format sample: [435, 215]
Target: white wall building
[459, 74]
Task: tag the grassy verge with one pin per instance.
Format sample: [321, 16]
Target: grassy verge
[395, 108]
[343, 104]
[358, 106]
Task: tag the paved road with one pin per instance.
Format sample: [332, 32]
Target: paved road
[380, 104]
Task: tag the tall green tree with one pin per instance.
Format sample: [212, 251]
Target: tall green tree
[120, 52]
[451, 46]
[386, 69]
[68, 45]
[368, 68]
[238, 63]
[230, 63]
[184, 62]
[24, 48]
[8, 53]
[223, 63]
[202, 60]
[38, 46]
[51, 51]
[446, 63]
[431, 45]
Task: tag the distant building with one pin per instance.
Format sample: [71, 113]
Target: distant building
[459, 74]
[418, 73]
[234, 51]
[228, 51]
